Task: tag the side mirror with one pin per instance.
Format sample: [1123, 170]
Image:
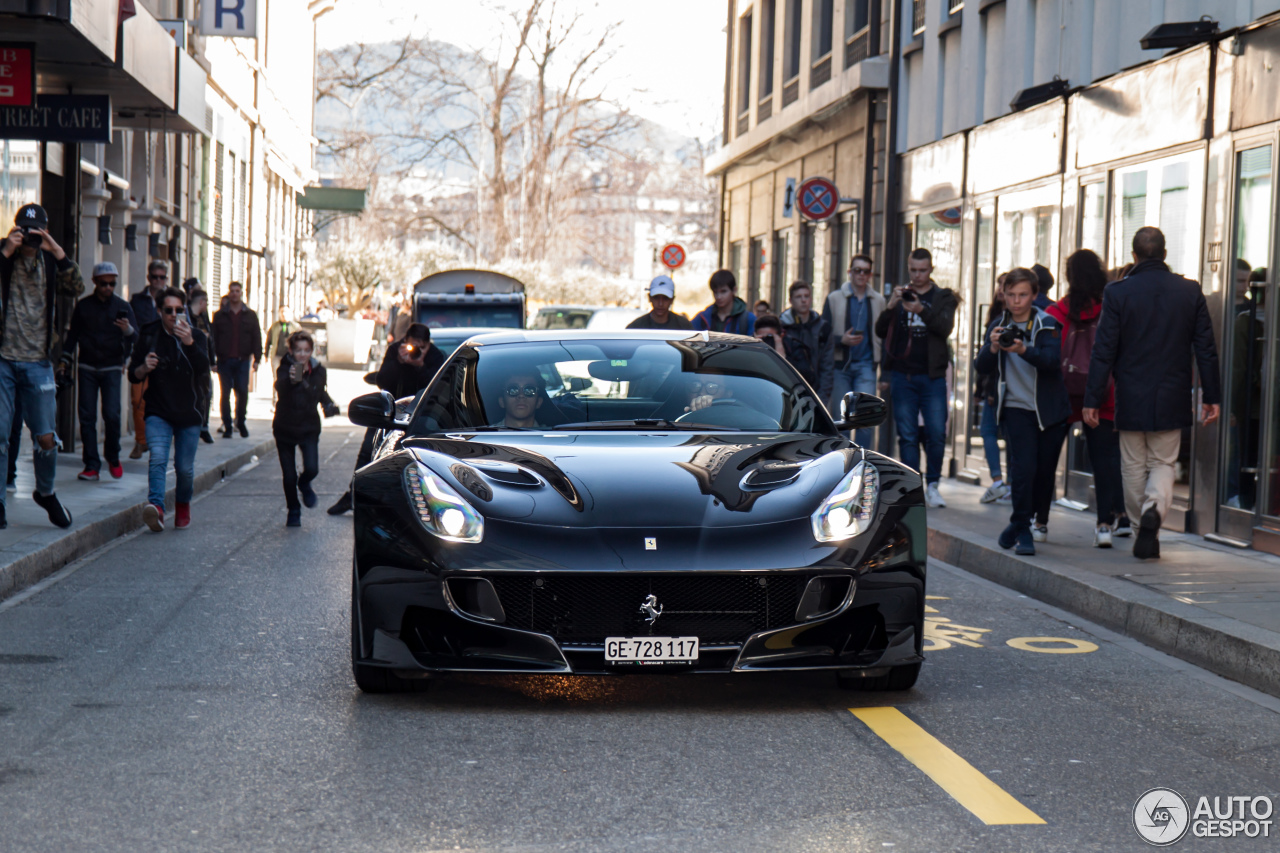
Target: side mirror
[859, 410]
[373, 410]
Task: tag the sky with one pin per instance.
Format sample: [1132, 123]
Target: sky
[669, 58]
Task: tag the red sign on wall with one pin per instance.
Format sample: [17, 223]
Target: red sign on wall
[17, 75]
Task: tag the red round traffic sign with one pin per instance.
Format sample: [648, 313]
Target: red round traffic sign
[818, 199]
[672, 256]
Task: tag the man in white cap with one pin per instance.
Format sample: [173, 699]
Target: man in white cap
[662, 292]
[103, 329]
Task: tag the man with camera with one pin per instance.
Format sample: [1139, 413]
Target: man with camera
[915, 326]
[409, 367]
[237, 340]
[171, 357]
[34, 273]
[102, 330]
[1024, 350]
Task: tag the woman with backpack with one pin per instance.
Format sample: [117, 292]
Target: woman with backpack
[1078, 314]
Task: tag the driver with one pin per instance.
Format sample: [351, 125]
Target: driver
[706, 391]
[521, 397]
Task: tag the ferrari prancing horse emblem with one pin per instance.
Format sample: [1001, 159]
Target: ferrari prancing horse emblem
[652, 608]
[650, 543]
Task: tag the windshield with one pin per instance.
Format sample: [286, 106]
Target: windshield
[446, 316]
[562, 318]
[620, 384]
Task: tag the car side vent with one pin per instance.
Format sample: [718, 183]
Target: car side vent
[823, 596]
[476, 597]
[512, 476]
[471, 481]
[771, 476]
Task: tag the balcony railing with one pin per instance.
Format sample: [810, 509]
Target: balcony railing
[954, 6]
[765, 109]
[790, 91]
[820, 72]
[917, 17]
[857, 47]
[744, 122]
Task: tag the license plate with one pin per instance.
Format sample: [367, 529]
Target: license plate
[650, 650]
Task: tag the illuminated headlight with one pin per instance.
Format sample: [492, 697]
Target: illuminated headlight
[849, 509]
[441, 509]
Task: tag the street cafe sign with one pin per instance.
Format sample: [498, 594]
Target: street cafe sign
[59, 118]
[17, 75]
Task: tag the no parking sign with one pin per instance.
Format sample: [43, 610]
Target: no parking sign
[672, 256]
[818, 199]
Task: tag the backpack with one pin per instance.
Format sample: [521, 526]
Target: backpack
[1076, 351]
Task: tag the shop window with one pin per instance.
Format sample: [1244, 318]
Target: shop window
[1093, 218]
[939, 232]
[1166, 194]
[1027, 233]
[19, 177]
[983, 296]
[1245, 335]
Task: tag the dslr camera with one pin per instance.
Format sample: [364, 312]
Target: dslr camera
[1011, 335]
[909, 295]
[31, 239]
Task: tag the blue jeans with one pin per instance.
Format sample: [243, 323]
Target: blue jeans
[854, 376]
[916, 396]
[92, 382]
[30, 384]
[990, 432]
[161, 435]
[233, 373]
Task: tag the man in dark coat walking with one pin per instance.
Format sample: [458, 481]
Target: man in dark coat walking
[1152, 323]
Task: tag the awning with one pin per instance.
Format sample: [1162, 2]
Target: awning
[336, 199]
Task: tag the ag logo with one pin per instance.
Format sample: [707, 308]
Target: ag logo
[1161, 817]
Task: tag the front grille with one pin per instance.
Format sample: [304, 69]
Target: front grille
[586, 608]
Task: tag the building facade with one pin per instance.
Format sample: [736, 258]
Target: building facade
[205, 144]
[1023, 130]
[805, 84]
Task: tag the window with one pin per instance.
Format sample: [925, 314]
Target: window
[824, 12]
[781, 257]
[1167, 194]
[1093, 217]
[755, 264]
[1027, 229]
[939, 232]
[791, 35]
[808, 247]
[768, 23]
[744, 64]
[857, 31]
[917, 17]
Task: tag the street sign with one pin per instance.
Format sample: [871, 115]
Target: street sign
[789, 200]
[17, 75]
[60, 118]
[818, 199]
[672, 256]
[236, 18]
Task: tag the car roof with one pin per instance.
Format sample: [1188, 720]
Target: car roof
[515, 336]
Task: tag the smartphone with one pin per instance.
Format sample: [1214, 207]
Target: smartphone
[122, 315]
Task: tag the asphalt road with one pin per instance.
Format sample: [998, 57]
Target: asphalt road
[191, 691]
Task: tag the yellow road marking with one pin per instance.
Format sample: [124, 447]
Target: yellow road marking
[988, 801]
[1032, 644]
[940, 633]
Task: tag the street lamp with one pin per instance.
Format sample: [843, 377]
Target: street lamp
[1179, 34]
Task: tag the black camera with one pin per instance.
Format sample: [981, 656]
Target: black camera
[1010, 335]
[31, 239]
[909, 295]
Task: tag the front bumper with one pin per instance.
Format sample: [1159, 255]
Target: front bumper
[408, 622]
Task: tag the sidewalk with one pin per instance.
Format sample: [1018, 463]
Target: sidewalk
[32, 548]
[1211, 605]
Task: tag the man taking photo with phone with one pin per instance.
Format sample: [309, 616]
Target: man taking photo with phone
[102, 330]
[171, 357]
[34, 273]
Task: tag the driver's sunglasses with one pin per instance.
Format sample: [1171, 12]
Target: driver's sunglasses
[860, 270]
[709, 387]
[169, 309]
[529, 390]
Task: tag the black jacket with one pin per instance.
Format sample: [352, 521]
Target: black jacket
[62, 284]
[1152, 323]
[94, 333]
[296, 418]
[173, 388]
[405, 380]
[939, 319]
[250, 334]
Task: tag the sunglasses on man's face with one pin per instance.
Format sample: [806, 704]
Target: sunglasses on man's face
[861, 270]
[169, 309]
[157, 277]
[527, 390]
[105, 283]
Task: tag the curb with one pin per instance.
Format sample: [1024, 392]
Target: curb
[1225, 646]
[66, 547]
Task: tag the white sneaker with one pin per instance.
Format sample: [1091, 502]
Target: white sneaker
[1102, 536]
[995, 492]
[1007, 499]
[932, 498]
[1040, 532]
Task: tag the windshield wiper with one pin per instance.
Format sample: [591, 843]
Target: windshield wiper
[659, 423]
[491, 429]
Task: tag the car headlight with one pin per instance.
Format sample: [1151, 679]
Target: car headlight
[849, 510]
[441, 509]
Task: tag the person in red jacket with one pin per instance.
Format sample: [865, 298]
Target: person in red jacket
[1078, 313]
